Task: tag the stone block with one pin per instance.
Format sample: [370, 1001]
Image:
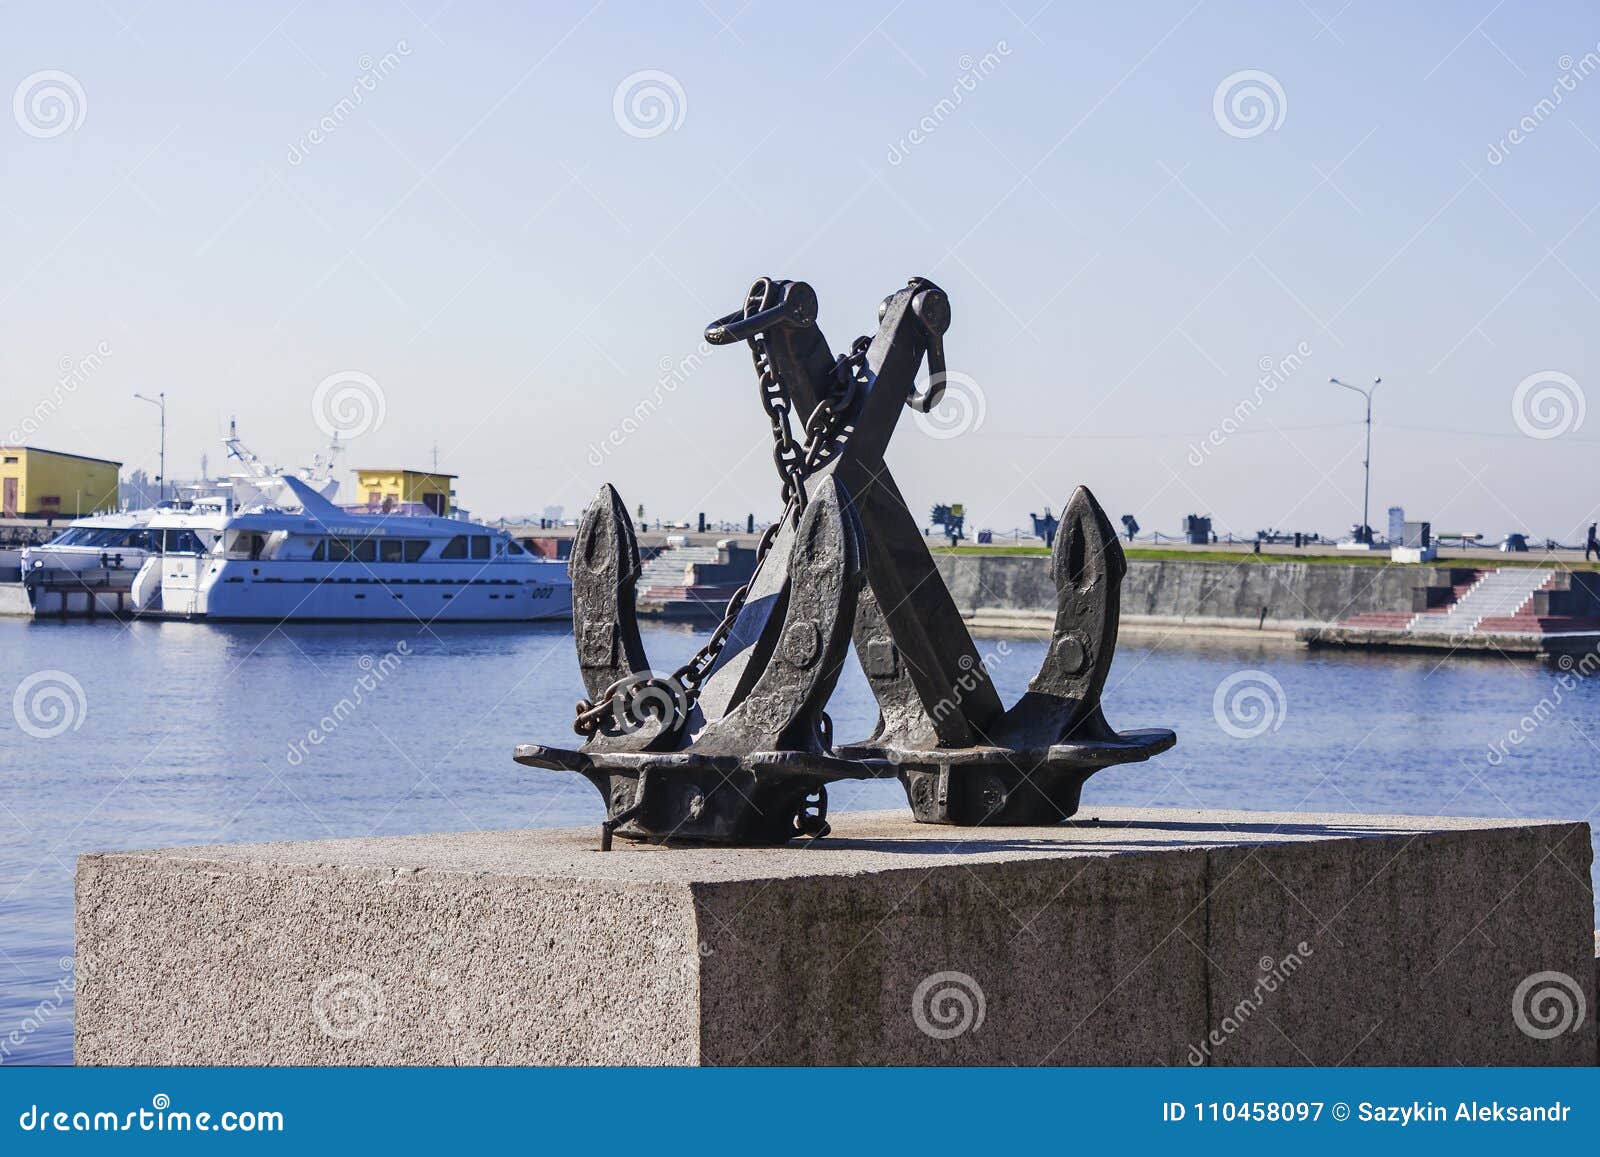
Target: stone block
[1122, 937]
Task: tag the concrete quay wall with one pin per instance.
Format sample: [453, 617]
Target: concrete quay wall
[1285, 595]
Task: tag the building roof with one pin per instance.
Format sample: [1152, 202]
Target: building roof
[63, 454]
[401, 470]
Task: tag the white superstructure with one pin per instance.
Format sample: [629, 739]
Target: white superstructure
[315, 561]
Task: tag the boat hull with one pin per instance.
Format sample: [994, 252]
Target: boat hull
[533, 592]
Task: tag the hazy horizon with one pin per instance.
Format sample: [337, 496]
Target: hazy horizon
[500, 232]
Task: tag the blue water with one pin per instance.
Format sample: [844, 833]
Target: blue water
[192, 733]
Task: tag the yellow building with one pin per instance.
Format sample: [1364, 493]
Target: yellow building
[37, 483]
[386, 488]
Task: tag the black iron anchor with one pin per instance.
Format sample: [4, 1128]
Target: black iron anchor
[756, 770]
[735, 745]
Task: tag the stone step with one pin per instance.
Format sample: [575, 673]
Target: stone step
[1497, 594]
[1538, 624]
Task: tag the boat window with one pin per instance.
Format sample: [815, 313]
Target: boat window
[321, 551]
[340, 550]
[243, 544]
[514, 548]
[74, 537]
[480, 546]
[455, 548]
[415, 549]
[391, 550]
[180, 542]
[366, 550]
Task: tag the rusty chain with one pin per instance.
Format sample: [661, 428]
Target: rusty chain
[795, 463]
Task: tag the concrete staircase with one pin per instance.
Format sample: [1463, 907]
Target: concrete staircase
[668, 568]
[1498, 595]
[665, 588]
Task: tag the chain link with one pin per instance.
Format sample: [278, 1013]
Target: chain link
[795, 463]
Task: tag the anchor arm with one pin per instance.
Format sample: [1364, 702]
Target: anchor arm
[604, 568]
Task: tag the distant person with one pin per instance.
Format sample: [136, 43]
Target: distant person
[1593, 543]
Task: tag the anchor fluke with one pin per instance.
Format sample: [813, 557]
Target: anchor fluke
[1035, 759]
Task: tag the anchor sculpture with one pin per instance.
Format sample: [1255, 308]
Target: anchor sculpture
[736, 746]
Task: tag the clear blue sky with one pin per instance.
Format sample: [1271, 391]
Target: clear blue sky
[483, 238]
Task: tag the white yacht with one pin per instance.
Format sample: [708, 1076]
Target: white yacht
[182, 532]
[317, 561]
[100, 542]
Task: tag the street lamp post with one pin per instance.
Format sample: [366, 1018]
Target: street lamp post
[160, 401]
[1365, 532]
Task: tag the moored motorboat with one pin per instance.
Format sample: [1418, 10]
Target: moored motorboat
[315, 561]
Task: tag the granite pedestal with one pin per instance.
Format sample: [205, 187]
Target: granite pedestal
[1124, 937]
